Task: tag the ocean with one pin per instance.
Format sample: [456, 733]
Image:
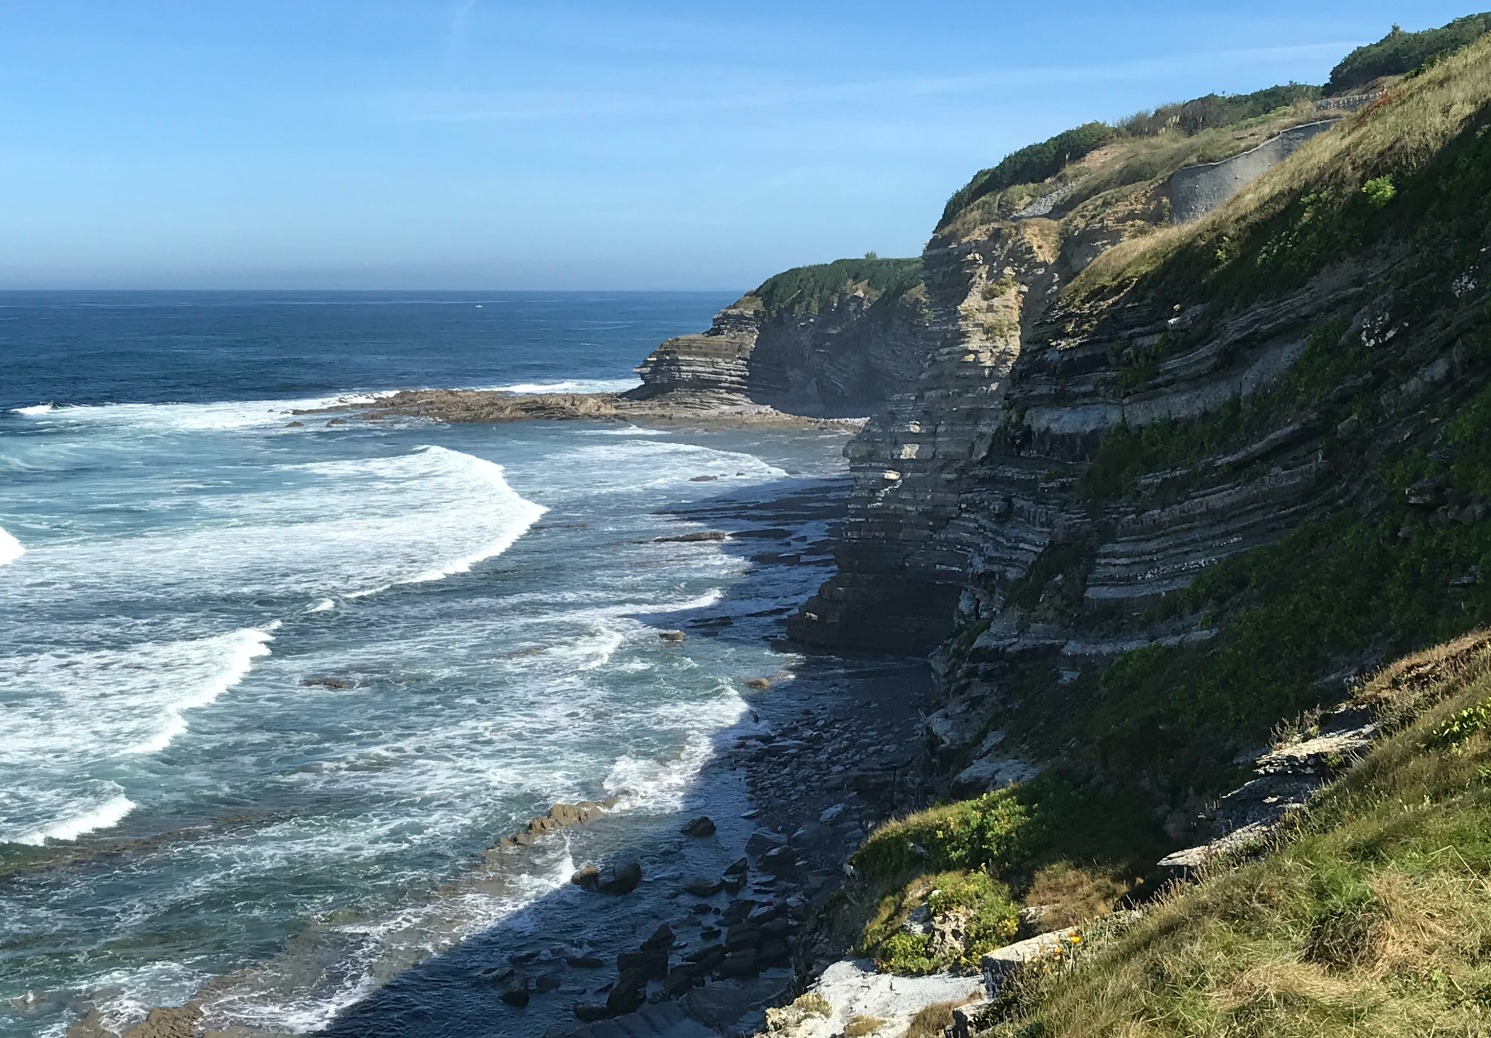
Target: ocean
[270, 686]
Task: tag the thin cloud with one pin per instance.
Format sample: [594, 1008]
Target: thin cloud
[459, 31]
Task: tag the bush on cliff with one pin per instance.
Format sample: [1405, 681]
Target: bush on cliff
[1214, 111]
[968, 914]
[1371, 917]
[1031, 164]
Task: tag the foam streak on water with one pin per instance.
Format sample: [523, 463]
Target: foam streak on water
[110, 813]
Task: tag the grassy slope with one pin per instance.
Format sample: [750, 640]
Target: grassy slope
[1373, 917]
[1301, 215]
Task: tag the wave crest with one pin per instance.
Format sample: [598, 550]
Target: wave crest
[105, 816]
[10, 548]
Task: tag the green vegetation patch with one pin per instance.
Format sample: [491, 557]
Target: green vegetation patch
[968, 914]
[970, 864]
[1215, 111]
[1402, 52]
[810, 289]
[1031, 164]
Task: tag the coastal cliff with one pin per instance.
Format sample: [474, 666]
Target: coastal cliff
[997, 263]
[835, 340]
[1121, 420]
[1160, 488]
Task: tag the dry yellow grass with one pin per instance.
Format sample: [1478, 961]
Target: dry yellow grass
[932, 1021]
[1068, 895]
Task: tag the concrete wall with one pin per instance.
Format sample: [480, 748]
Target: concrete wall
[1197, 190]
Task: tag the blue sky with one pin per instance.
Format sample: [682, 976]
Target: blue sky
[557, 144]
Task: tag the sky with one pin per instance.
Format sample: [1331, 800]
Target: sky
[556, 144]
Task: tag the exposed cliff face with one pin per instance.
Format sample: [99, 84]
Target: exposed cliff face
[905, 551]
[837, 340]
[900, 571]
[1073, 458]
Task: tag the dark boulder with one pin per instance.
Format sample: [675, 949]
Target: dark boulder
[699, 827]
[620, 879]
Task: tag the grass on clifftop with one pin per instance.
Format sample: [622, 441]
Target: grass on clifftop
[810, 289]
[1371, 918]
[1146, 145]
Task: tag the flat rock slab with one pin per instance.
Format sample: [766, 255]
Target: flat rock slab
[998, 965]
[854, 988]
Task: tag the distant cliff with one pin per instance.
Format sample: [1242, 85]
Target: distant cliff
[832, 340]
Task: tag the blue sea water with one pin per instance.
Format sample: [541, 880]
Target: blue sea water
[267, 686]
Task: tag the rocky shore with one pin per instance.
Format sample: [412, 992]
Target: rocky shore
[492, 407]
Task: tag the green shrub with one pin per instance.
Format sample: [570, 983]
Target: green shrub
[1379, 191]
[1217, 110]
[971, 903]
[994, 830]
[1031, 164]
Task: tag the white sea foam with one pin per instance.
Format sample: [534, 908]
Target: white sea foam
[638, 465]
[106, 815]
[516, 514]
[340, 529]
[655, 784]
[10, 548]
[591, 652]
[573, 385]
[625, 430]
[241, 648]
[73, 717]
[188, 418]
